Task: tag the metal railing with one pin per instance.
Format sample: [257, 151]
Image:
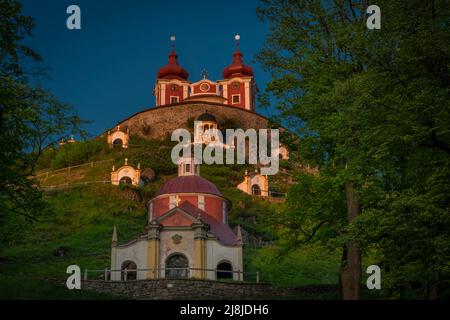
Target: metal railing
[74, 184]
[276, 194]
[92, 164]
[84, 183]
[171, 273]
[270, 194]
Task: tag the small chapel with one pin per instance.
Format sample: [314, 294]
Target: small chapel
[186, 235]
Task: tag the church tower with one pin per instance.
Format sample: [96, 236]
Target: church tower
[171, 85]
[187, 166]
[238, 82]
[236, 89]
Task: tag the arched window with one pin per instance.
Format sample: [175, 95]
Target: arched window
[224, 271]
[118, 143]
[130, 269]
[256, 190]
[177, 266]
[125, 180]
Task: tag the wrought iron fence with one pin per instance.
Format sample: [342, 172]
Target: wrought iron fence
[270, 194]
[73, 184]
[68, 169]
[170, 273]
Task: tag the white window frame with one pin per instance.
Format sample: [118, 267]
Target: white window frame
[172, 202]
[201, 202]
[232, 98]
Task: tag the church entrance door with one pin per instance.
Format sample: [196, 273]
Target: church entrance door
[177, 266]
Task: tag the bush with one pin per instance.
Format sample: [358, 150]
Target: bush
[77, 153]
[46, 158]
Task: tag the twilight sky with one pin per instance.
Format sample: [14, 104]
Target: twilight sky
[107, 69]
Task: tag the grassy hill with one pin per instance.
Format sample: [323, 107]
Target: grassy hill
[81, 212]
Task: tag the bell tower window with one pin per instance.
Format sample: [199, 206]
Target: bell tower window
[188, 167]
[174, 99]
[236, 98]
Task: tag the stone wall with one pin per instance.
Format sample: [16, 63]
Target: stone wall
[178, 289]
[157, 123]
[191, 289]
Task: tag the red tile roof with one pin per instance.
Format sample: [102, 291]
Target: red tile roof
[222, 231]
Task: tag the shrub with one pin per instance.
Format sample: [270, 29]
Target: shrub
[77, 153]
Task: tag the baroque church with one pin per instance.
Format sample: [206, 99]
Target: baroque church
[187, 232]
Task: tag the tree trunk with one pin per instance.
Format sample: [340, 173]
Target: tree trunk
[433, 287]
[350, 273]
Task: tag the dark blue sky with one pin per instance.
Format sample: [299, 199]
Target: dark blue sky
[107, 69]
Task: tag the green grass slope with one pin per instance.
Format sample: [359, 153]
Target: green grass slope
[81, 213]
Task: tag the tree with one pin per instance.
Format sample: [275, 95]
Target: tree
[372, 103]
[31, 119]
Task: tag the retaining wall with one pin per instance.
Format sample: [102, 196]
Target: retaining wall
[192, 289]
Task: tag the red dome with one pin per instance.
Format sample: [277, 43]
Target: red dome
[188, 184]
[237, 68]
[173, 70]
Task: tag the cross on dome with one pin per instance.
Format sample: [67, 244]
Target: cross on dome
[172, 38]
[204, 74]
[237, 38]
[172, 70]
[237, 68]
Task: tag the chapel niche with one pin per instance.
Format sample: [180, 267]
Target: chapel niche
[255, 184]
[126, 175]
[118, 138]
